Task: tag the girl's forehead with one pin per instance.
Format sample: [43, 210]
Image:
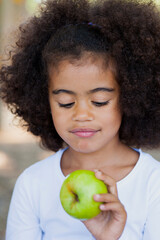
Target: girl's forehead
[87, 75]
[89, 61]
[87, 58]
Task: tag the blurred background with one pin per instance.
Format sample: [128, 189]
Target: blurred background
[18, 149]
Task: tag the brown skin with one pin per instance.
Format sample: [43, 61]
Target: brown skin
[84, 113]
[97, 151]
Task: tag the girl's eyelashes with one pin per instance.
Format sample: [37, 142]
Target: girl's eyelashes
[97, 104]
[68, 105]
[100, 104]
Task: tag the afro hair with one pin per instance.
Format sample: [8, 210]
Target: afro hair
[126, 31]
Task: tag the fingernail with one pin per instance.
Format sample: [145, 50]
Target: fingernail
[97, 171]
[97, 196]
[102, 207]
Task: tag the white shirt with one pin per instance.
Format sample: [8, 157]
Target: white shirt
[36, 213]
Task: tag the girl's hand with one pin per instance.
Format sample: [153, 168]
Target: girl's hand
[109, 224]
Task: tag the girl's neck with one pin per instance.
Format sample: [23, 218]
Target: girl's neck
[115, 162]
[111, 156]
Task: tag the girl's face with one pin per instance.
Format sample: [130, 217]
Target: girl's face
[84, 102]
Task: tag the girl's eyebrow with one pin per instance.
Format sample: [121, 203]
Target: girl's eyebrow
[58, 91]
[101, 90]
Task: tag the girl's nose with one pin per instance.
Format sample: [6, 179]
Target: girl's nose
[82, 114]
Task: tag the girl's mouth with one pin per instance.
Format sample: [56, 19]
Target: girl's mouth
[84, 132]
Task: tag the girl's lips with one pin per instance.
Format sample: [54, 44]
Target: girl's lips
[84, 132]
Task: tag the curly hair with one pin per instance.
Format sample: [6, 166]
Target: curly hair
[126, 31]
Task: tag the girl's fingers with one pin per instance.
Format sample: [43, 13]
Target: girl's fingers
[110, 203]
[105, 198]
[110, 182]
[115, 206]
[117, 209]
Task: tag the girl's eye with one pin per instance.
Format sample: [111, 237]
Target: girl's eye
[68, 105]
[97, 104]
[100, 104]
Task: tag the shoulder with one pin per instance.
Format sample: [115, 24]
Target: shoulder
[150, 169]
[46, 163]
[149, 162]
[41, 171]
[37, 181]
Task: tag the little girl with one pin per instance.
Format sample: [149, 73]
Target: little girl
[85, 77]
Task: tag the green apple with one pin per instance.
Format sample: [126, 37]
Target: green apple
[77, 193]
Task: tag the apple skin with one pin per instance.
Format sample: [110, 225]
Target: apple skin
[76, 194]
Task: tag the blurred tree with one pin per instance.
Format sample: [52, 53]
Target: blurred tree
[12, 12]
[31, 5]
[18, 1]
[0, 49]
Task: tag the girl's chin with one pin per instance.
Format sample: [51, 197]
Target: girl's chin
[83, 149]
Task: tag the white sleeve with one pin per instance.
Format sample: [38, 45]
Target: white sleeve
[22, 222]
[128, 234]
[152, 228]
[152, 225]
